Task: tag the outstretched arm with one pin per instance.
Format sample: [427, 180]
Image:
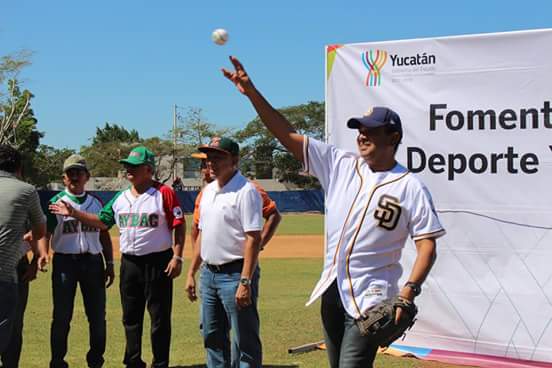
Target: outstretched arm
[65, 209]
[275, 122]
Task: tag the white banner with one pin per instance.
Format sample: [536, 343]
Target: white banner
[477, 119]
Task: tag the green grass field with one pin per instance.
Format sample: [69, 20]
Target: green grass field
[285, 322]
[292, 224]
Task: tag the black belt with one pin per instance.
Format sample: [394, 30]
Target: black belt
[234, 266]
[77, 255]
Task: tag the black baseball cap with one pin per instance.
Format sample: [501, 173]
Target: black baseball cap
[377, 117]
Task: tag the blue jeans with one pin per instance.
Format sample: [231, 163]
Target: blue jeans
[87, 270]
[346, 347]
[222, 317]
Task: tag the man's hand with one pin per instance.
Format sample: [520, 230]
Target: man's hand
[61, 208]
[30, 274]
[239, 77]
[43, 262]
[109, 275]
[191, 288]
[407, 294]
[243, 296]
[174, 268]
[28, 237]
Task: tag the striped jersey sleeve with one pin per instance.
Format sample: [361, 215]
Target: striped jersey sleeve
[319, 160]
[107, 214]
[171, 206]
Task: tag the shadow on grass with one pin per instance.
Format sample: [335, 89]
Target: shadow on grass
[264, 366]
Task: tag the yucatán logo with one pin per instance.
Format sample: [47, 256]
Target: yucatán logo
[374, 61]
[401, 66]
[388, 212]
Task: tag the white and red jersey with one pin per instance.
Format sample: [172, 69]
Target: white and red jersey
[369, 216]
[145, 222]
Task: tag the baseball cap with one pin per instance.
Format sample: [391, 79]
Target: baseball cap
[139, 156]
[199, 155]
[225, 145]
[75, 162]
[377, 117]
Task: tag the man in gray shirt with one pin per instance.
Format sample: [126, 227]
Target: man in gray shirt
[20, 203]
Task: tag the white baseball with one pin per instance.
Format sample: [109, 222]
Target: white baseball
[219, 36]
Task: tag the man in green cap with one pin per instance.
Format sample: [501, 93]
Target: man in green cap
[152, 229]
[77, 259]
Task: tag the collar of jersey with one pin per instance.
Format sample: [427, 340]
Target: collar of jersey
[77, 198]
[229, 185]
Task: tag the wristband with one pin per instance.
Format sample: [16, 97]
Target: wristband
[178, 258]
[416, 288]
[109, 262]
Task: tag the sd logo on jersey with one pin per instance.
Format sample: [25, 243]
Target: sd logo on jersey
[388, 212]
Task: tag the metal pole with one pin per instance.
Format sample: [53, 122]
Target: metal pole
[174, 143]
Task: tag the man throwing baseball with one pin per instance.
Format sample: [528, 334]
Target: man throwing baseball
[151, 226]
[373, 204]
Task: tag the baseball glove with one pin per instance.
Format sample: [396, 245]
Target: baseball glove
[379, 321]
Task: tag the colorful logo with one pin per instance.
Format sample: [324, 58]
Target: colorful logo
[374, 62]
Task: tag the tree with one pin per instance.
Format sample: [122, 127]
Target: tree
[115, 133]
[109, 145]
[15, 109]
[164, 163]
[261, 151]
[48, 164]
[193, 130]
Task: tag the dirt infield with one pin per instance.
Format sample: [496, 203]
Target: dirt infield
[281, 246]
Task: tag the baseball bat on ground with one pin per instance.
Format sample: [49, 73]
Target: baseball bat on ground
[307, 347]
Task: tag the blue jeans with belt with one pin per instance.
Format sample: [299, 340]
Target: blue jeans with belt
[222, 317]
[346, 347]
[87, 270]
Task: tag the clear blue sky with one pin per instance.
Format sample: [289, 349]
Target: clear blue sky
[128, 62]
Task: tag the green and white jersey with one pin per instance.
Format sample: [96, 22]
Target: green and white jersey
[145, 222]
[70, 236]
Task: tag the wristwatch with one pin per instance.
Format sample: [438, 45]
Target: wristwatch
[416, 288]
[245, 281]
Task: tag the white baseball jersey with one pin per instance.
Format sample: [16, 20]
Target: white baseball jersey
[369, 216]
[226, 214]
[69, 235]
[145, 222]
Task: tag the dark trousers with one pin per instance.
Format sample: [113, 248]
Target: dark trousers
[346, 347]
[8, 296]
[87, 270]
[10, 357]
[143, 282]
